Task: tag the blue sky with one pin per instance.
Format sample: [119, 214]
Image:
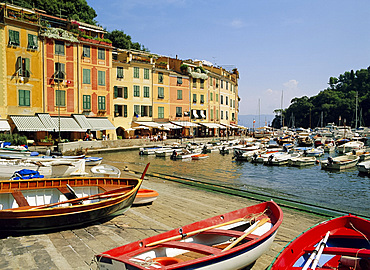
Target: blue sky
[278, 46]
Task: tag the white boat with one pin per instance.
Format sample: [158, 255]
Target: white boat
[16, 151]
[239, 154]
[185, 154]
[165, 151]
[364, 166]
[149, 150]
[350, 146]
[314, 152]
[261, 158]
[106, 170]
[9, 166]
[93, 161]
[340, 163]
[302, 161]
[280, 160]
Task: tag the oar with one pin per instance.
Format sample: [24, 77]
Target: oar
[144, 172]
[321, 248]
[248, 232]
[313, 254]
[177, 237]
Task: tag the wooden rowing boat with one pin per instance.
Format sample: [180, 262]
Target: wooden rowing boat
[229, 241]
[339, 243]
[145, 196]
[58, 203]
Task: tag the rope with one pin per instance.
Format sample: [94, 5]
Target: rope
[360, 248]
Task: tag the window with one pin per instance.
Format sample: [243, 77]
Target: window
[101, 77]
[136, 91]
[136, 72]
[119, 72]
[160, 112]
[222, 115]
[160, 77]
[150, 111]
[160, 92]
[101, 103]
[86, 77]
[86, 51]
[136, 110]
[59, 47]
[194, 83]
[178, 111]
[59, 74]
[201, 84]
[226, 115]
[118, 93]
[86, 102]
[179, 94]
[222, 84]
[194, 98]
[124, 110]
[23, 67]
[210, 81]
[125, 92]
[222, 99]
[216, 83]
[211, 114]
[227, 85]
[101, 54]
[216, 97]
[201, 98]
[233, 116]
[146, 74]
[211, 97]
[32, 42]
[227, 100]
[60, 97]
[24, 98]
[146, 91]
[13, 38]
[117, 110]
[179, 80]
[216, 114]
[144, 110]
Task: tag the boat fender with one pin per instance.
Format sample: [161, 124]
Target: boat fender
[167, 260]
[141, 151]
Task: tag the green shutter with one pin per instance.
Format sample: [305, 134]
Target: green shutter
[18, 66]
[125, 110]
[125, 92]
[115, 95]
[150, 111]
[27, 67]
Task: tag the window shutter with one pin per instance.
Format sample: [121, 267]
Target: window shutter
[115, 91]
[150, 111]
[18, 66]
[16, 37]
[27, 67]
[125, 93]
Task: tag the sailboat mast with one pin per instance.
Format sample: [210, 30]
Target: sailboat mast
[259, 112]
[356, 108]
[281, 116]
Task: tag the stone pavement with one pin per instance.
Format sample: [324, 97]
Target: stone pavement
[176, 205]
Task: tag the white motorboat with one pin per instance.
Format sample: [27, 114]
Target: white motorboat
[302, 161]
[339, 163]
[280, 160]
[350, 146]
[364, 166]
[106, 170]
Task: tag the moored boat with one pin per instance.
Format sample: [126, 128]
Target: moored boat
[199, 156]
[145, 196]
[229, 241]
[364, 166]
[340, 243]
[58, 203]
[106, 170]
[340, 163]
[302, 161]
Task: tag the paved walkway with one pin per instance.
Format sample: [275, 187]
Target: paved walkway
[176, 205]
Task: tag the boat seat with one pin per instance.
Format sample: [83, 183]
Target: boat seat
[19, 198]
[199, 248]
[69, 195]
[344, 251]
[108, 189]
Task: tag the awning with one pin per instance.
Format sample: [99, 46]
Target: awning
[47, 121]
[67, 124]
[100, 123]
[82, 121]
[202, 114]
[149, 124]
[141, 127]
[184, 124]
[169, 126]
[28, 123]
[195, 114]
[4, 125]
[212, 125]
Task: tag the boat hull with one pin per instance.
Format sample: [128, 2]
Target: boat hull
[145, 196]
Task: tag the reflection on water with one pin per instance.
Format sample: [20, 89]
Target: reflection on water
[345, 190]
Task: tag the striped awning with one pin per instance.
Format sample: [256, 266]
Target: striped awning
[4, 125]
[82, 121]
[100, 123]
[169, 126]
[67, 124]
[28, 123]
[149, 124]
[185, 124]
[212, 125]
[47, 121]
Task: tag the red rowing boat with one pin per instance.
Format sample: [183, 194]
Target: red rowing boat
[340, 243]
[145, 196]
[225, 242]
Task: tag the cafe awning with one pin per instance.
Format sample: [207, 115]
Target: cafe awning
[185, 124]
[46, 120]
[67, 124]
[82, 121]
[28, 123]
[149, 124]
[4, 125]
[100, 123]
[212, 125]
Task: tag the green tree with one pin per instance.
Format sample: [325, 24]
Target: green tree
[121, 40]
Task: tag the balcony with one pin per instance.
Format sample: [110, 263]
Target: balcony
[98, 41]
[20, 14]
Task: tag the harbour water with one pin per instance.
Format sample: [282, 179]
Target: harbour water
[345, 190]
